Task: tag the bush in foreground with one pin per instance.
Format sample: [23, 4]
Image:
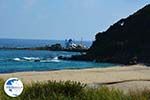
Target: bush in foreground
[52, 90]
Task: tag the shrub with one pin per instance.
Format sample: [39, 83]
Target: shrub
[52, 90]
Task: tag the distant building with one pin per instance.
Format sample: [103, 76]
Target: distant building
[69, 44]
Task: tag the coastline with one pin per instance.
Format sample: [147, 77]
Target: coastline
[121, 77]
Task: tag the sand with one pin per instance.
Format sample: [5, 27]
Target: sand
[121, 77]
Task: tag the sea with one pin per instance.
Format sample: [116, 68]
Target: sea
[39, 60]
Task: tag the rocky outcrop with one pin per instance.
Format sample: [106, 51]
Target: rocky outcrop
[126, 42]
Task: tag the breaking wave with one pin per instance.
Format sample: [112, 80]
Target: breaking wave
[16, 59]
[35, 59]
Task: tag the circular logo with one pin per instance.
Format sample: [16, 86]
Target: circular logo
[13, 87]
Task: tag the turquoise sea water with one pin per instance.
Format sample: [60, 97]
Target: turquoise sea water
[28, 60]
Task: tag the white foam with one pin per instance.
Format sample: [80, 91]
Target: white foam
[55, 59]
[31, 58]
[17, 59]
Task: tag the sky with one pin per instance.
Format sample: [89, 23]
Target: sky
[62, 19]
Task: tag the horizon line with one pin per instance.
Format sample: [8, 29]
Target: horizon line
[42, 39]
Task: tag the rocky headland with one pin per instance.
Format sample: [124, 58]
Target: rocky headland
[126, 42]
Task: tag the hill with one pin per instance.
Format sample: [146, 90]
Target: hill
[126, 42]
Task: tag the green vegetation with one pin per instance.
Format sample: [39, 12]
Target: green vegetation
[72, 91]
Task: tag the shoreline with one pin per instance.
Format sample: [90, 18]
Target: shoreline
[107, 70]
[53, 70]
[120, 77]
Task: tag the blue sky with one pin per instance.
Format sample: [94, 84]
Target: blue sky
[60, 19]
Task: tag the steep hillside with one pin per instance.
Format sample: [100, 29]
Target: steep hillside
[127, 41]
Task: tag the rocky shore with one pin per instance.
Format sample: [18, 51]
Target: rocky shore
[125, 42]
[54, 47]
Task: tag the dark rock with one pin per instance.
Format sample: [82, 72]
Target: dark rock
[126, 42]
[56, 47]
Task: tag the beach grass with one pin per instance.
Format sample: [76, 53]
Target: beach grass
[68, 90]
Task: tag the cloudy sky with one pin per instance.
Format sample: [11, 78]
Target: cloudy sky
[60, 19]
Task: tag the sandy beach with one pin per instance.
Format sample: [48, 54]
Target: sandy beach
[121, 77]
